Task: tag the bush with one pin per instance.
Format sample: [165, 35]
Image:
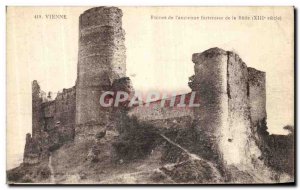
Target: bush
[194, 140]
[14, 176]
[278, 151]
[136, 141]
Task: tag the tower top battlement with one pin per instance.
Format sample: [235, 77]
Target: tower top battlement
[101, 16]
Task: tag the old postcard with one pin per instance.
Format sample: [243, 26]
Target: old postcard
[150, 95]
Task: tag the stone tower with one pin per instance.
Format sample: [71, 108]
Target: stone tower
[37, 101]
[222, 81]
[101, 60]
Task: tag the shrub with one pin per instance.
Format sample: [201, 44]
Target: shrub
[137, 140]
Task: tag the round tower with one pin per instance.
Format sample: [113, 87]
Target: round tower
[101, 60]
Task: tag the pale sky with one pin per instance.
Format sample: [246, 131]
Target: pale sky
[159, 55]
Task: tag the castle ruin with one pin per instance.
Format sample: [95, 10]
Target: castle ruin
[232, 97]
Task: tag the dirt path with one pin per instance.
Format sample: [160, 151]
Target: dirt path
[52, 178]
[192, 156]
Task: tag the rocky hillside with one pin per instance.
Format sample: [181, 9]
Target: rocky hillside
[139, 153]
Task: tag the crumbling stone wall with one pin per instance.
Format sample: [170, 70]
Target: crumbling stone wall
[229, 92]
[208, 81]
[101, 61]
[257, 101]
[221, 80]
[257, 94]
[244, 147]
[31, 151]
[65, 112]
[37, 101]
[53, 122]
[165, 116]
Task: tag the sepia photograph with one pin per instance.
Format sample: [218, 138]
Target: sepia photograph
[136, 95]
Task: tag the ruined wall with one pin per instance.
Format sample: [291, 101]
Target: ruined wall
[101, 61]
[221, 80]
[37, 101]
[230, 95]
[53, 122]
[257, 98]
[35, 145]
[59, 115]
[242, 143]
[165, 116]
[31, 151]
[210, 84]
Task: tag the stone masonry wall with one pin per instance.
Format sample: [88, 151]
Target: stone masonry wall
[165, 116]
[101, 61]
[257, 99]
[31, 151]
[59, 115]
[210, 84]
[221, 78]
[156, 111]
[53, 123]
[229, 92]
[239, 144]
[37, 101]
